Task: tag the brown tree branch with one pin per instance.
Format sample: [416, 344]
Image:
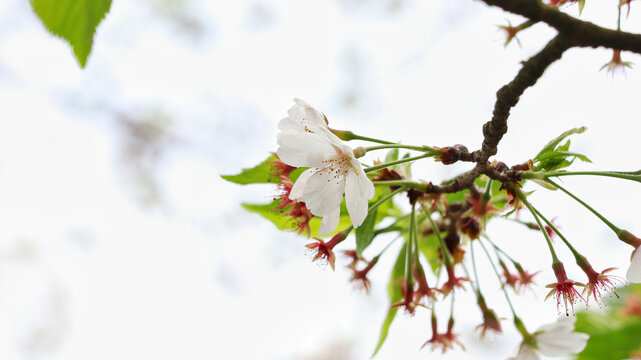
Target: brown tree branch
[509, 95]
[582, 33]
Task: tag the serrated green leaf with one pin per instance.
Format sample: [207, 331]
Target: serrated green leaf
[259, 174]
[554, 142]
[395, 294]
[365, 232]
[73, 20]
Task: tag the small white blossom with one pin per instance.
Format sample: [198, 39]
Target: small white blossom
[556, 339]
[634, 271]
[306, 141]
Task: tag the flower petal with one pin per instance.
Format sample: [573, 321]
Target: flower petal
[303, 149]
[525, 352]
[559, 339]
[323, 192]
[302, 112]
[563, 324]
[358, 190]
[296, 193]
[634, 271]
[306, 118]
[330, 222]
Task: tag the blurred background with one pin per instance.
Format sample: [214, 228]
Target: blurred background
[119, 239]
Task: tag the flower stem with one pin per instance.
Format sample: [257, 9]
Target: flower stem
[606, 221]
[447, 257]
[527, 337]
[476, 274]
[392, 227]
[576, 254]
[347, 135]
[400, 161]
[408, 252]
[498, 276]
[383, 200]
[521, 196]
[405, 183]
[634, 176]
[498, 250]
[401, 146]
[415, 223]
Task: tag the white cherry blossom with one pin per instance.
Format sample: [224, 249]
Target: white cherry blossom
[306, 141]
[634, 271]
[556, 339]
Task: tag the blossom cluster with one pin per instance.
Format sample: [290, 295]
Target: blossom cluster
[316, 169]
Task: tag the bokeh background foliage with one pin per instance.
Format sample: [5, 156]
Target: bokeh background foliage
[615, 330]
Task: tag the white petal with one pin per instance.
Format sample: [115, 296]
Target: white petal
[303, 113]
[563, 324]
[288, 124]
[358, 190]
[304, 149]
[367, 187]
[559, 339]
[306, 116]
[299, 186]
[323, 192]
[330, 222]
[525, 352]
[634, 271]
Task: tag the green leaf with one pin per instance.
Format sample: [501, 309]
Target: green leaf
[259, 174]
[365, 232]
[391, 314]
[429, 247]
[73, 20]
[554, 156]
[563, 155]
[615, 344]
[395, 294]
[554, 142]
[614, 333]
[282, 222]
[407, 167]
[392, 155]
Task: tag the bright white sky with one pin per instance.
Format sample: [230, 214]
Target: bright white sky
[115, 246]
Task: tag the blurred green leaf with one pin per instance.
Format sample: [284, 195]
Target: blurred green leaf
[407, 167]
[429, 247]
[615, 331]
[73, 20]
[392, 155]
[259, 174]
[283, 222]
[395, 295]
[365, 232]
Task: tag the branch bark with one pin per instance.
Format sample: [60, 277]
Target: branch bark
[582, 33]
[509, 95]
